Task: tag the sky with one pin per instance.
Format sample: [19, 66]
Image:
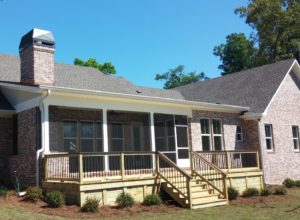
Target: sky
[139, 37]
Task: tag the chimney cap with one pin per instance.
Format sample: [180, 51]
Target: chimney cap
[37, 37]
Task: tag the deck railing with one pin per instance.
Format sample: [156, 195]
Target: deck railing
[99, 166]
[232, 159]
[209, 173]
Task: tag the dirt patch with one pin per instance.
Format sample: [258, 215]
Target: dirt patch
[73, 211]
[261, 200]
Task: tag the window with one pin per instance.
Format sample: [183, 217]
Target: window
[239, 133]
[71, 136]
[117, 137]
[217, 134]
[295, 130]
[83, 136]
[269, 137]
[211, 138]
[205, 132]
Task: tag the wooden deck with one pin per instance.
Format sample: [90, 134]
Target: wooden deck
[105, 175]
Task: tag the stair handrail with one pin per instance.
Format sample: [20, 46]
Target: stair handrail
[169, 181]
[222, 190]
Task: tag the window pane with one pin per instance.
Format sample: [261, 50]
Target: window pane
[205, 143]
[217, 126]
[205, 126]
[269, 144]
[117, 130]
[87, 145]
[238, 137]
[296, 144]
[87, 129]
[268, 130]
[295, 131]
[99, 131]
[218, 142]
[117, 145]
[70, 129]
[238, 129]
[183, 154]
[182, 138]
[70, 145]
[99, 145]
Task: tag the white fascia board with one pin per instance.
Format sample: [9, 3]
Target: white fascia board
[190, 104]
[295, 66]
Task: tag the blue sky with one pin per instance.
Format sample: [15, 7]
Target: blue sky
[140, 37]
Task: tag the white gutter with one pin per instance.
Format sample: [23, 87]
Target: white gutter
[38, 152]
[193, 104]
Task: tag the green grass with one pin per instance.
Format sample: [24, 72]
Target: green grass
[276, 210]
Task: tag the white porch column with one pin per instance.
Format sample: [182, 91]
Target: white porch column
[153, 147]
[105, 138]
[46, 130]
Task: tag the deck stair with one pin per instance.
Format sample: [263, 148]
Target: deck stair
[196, 189]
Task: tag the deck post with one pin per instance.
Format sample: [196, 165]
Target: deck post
[191, 162]
[228, 160]
[157, 163]
[122, 166]
[46, 168]
[189, 193]
[257, 160]
[80, 168]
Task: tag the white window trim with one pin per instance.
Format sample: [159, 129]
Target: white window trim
[217, 135]
[239, 133]
[296, 138]
[207, 135]
[269, 138]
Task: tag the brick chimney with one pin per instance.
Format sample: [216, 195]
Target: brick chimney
[36, 50]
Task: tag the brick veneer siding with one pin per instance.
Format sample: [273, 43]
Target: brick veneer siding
[37, 65]
[6, 145]
[283, 112]
[29, 133]
[229, 122]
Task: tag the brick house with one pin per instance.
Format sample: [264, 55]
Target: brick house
[67, 113]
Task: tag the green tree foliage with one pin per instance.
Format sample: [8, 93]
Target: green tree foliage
[177, 77]
[106, 68]
[276, 28]
[236, 54]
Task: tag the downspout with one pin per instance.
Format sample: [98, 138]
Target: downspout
[38, 152]
[260, 148]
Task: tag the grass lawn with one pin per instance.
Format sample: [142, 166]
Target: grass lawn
[286, 207]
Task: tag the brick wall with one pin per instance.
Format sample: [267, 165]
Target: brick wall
[6, 145]
[37, 65]
[283, 112]
[229, 122]
[23, 164]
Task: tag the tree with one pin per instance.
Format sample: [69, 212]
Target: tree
[107, 68]
[236, 54]
[276, 28]
[176, 77]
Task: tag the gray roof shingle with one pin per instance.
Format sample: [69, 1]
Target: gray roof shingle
[253, 87]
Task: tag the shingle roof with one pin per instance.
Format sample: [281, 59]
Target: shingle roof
[253, 87]
[4, 104]
[78, 77]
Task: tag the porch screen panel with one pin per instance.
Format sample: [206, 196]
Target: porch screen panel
[117, 137]
[71, 136]
[87, 136]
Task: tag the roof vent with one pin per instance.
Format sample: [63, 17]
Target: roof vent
[37, 37]
[138, 91]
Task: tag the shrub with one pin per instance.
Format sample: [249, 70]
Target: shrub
[55, 199]
[289, 183]
[152, 199]
[232, 193]
[33, 194]
[124, 200]
[280, 191]
[91, 205]
[266, 192]
[251, 192]
[3, 191]
[297, 183]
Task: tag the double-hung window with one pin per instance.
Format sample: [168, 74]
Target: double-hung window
[239, 133]
[211, 134]
[295, 130]
[269, 137]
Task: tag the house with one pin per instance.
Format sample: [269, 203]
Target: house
[74, 129]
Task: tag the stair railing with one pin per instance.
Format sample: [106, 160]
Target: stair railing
[209, 173]
[176, 177]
